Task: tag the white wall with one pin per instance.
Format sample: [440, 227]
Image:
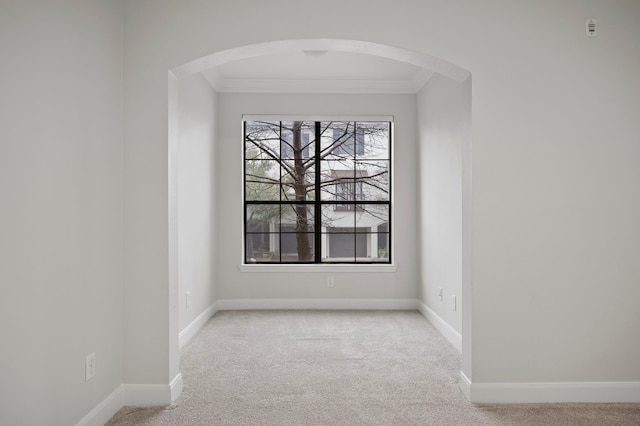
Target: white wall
[443, 120]
[196, 197]
[61, 227]
[554, 209]
[233, 284]
[555, 238]
[150, 317]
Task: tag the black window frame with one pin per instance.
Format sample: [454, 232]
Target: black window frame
[355, 204]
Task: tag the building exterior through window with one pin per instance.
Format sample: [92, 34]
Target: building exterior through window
[317, 191]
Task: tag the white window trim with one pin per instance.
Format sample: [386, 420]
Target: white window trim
[319, 117]
[318, 267]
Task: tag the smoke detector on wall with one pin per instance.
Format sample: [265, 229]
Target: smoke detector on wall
[592, 27]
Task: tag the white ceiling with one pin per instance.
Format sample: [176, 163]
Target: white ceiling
[317, 71]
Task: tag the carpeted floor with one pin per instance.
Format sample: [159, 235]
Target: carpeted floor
[338, 368]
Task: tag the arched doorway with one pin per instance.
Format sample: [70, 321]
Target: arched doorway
[417, 59]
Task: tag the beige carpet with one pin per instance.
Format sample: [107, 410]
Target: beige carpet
[338, 368]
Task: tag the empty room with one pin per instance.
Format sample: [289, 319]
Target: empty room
[412, 212]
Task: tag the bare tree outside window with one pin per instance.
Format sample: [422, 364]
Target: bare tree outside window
[324, 185]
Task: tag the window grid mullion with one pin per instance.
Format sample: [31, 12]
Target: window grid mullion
[317, 210]
[355, 199]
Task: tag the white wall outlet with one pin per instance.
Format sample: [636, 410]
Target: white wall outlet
[187, 298]
[454, 302]
[330, 282]
[441, 294]
[90, 367]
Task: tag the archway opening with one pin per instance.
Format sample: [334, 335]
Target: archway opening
[448, 310]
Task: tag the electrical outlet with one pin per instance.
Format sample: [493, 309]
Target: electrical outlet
[454, 302]
[330, 282]
[90, 367]
[441, 294]
[187, 299]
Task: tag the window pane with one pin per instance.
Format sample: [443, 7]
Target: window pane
[383, 245]
[261, 247]
[347, 141]
[374, 178]
[334, 216]
[297, 246]
[375, 245]
[375, 139]
[345, 244]
[333, 172]
[371, 215]
[298, 184]
[262, 217]
[262, 140]
[297, 137]
[262, 180]
[299, 217]
[339, 139]
[297, 237]
[340, 247]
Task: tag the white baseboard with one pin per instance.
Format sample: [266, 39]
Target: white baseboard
[329, 304]
[149, 395]
[133, 395]
[465, 386]
[146, 395]
[175, 387]
[525, 393]
[442, 326]
[105, 410]
[195, 325]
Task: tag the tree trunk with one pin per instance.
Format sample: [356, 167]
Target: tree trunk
[302, 221]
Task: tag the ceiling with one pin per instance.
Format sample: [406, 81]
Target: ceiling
[317, 71]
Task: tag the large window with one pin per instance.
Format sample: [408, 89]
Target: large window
[317, 191]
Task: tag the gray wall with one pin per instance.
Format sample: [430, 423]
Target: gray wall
[444, 125]
[61, 228]
[196, 197]
[554, 204]
[233, 284]
[85, 237]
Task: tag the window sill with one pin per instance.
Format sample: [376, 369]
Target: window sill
[322, 268]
